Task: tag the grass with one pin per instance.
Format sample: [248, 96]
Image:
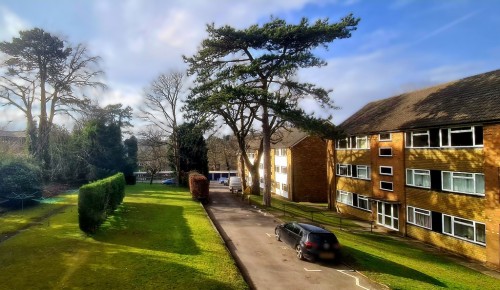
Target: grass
[158, 239]
[390, 260]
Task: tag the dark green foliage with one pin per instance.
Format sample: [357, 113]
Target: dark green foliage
[199, 186]
[130, 160]
[192, 149]
[20, 179]
[98, 199]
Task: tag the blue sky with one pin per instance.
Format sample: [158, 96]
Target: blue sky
[400, 45]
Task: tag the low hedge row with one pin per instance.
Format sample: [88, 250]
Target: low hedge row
[98, 199]
[199, 186]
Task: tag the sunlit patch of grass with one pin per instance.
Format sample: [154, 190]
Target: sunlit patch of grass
[390, 260]
[158, 239]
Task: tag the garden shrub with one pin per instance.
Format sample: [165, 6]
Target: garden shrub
[98, 199]
[20, 179]
[198, 186]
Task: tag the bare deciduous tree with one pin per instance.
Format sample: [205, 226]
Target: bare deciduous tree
[162, 100]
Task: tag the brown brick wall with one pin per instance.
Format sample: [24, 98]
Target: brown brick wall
[491, 134]
[397, 163]
[460, 205]
[360, 186]
[465, 160]
[330, 173]
[448, 243]
[309, 176]
[354, 156]
[349, 210]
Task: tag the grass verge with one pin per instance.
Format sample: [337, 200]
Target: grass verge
[159, 238]
[389, 260]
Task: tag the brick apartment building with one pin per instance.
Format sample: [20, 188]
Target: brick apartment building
[426, 164]
[298, 167]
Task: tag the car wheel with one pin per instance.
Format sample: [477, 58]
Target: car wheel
[298, 250]
[277, 235]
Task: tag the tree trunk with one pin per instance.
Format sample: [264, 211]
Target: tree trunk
[255, 180]
[266, 132]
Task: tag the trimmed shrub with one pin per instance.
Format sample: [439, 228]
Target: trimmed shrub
[98, 199]
[199, 186]
[20, 179]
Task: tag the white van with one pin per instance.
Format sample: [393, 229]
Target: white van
[235, 184]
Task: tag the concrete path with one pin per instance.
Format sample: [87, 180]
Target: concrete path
[265, 262]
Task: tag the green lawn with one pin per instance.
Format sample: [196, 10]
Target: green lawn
[389, 260]
[158, 239]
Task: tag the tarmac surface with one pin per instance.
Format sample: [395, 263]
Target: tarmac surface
[265, 262]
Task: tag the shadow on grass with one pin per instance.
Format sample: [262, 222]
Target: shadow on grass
[150, 226]
[366, 262]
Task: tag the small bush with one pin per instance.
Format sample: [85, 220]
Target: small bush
[98, 199]
[199, 186]
[20, 179]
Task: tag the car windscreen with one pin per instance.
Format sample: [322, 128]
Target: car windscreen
[322, 238]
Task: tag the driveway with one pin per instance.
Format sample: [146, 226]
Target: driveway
[265, 262]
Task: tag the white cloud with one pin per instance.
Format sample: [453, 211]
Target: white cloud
[10, 24]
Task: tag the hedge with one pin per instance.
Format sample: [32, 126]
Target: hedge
[19, 179]
[199, 186]
[98, 199]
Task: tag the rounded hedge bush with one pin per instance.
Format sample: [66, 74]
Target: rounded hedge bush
[19, 179]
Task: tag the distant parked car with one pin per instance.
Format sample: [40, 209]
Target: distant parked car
[235, 184]
[169, 181]
[222, 180]
[310, 242]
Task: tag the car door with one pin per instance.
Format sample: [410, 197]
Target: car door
[287, 233]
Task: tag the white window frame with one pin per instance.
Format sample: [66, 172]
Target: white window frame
[341, 193]
[412, 214]
[283, 170]
[364, 198]
[452, 130]
[466, 222]
[382, 215]
[420, 133]
[453, 176]
[387, 182]
[348, 143]
[422, 172]
[280, 151]
[365, 138]
[380, 153]
[383, 140]
[368, 171]
[349, 170]
[380, 170]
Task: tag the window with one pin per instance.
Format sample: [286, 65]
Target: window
[343, 143]
[462, 136]
[385, 137]
[284, 187]
[418, 178]
[386, 185]
[385, 170]
[462, 182]
[417, 139]
[251, 156]
[363, 203]
[344, 197]
[280, 151]
[363, 171]
[277, 169]
[385, 151]
[388, 215]
[464, 229]
[261, 165]
[360, 142]
[284, 170]
[419, 217]
[344, 170]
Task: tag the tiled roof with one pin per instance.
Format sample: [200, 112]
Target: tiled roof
[287, 138]
[474, 99]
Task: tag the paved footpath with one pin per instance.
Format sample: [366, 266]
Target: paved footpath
[265, 262]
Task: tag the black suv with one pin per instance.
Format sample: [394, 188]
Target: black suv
[309, 241]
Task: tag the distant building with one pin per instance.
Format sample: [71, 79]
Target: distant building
[426, 164]
[12, 141]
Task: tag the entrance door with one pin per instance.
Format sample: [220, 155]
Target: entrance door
[388, 215]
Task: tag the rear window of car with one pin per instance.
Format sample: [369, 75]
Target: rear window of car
[322, 238]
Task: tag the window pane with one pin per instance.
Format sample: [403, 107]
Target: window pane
[478, 132]
[362, 143]
[447, 224]
[385, 151]
[444, 137]
[480, 233]
[463, 185]
[395, 212]
[464, 231]
[409, 176]
[479, 183]
[422, 180]
[421, 141]
[385, 170]
[447, 180]
[384, 136]
[461, 139]
[411, 218]
[423, 220]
